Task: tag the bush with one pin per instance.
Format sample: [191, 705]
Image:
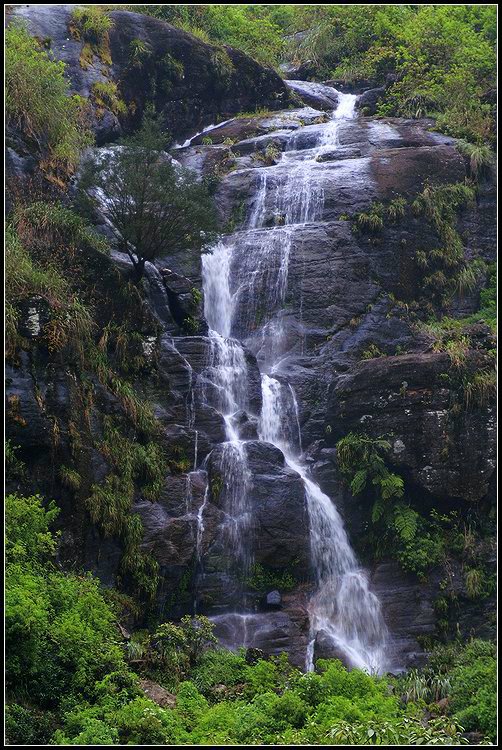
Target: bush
[91, 23]
[60, 633]
[218, 668]
[38, 103]
[70, 321]
[473, 689]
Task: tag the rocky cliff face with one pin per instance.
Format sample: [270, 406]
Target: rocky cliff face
[189, 82]
[345, 295]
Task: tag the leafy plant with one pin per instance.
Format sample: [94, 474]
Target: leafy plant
[152, 206]
[37, 102]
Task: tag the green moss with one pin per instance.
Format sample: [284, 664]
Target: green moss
[106, 95]
[91, 25]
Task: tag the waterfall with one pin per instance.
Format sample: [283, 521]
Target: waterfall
[241, 273]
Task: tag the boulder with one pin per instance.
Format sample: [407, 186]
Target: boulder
[369, 99]
[157, 693]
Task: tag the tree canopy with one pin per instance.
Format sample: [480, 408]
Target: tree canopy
[152, 205]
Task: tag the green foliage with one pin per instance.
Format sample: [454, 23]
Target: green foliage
[361, 460]
[372, 352]
[60, 635]
[70, 477]
[445, 270]
[256, 30]
[405, 731]
[28, 726]
[14, 467]
[481, 158]
[37, 102]
[417, 542]
[263, 580]
[27, 522]
[220, 699]
[109, 503]
[270, 155]
[172, 212]
[91, 23]
[70, 324]
[473, 688]
[374, 220]
[452, 336]
[140, 51]
[217, 668]
[480, 389]
[488, 302]
[470, 671]
[442, 58]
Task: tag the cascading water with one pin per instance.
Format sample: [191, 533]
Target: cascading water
[252, 268]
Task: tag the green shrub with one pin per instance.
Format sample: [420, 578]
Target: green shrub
[217, 668]
[60, 633]
[473, 689]
[37, 102]
[70, 324]
[28, 726]
[140, 51]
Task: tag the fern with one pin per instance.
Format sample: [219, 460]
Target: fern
[405, 522]
[390, 485]
[359, 481]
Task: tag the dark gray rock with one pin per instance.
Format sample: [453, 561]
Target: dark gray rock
[314, 94]
[368, 100]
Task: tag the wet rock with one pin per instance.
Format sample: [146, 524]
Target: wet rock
[326, 648]
[171, 541]
[314, 94]
[266, 633]
[27, 423]
[246, 426]
[409, 396]
[279, 512]
[404, 171]
[184, 301]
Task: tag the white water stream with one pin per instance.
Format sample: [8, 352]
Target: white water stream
[235, 277]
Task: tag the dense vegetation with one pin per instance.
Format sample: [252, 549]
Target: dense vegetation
[437, 60]
[74, 679]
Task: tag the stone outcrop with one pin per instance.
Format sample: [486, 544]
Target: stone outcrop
[191, 83]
